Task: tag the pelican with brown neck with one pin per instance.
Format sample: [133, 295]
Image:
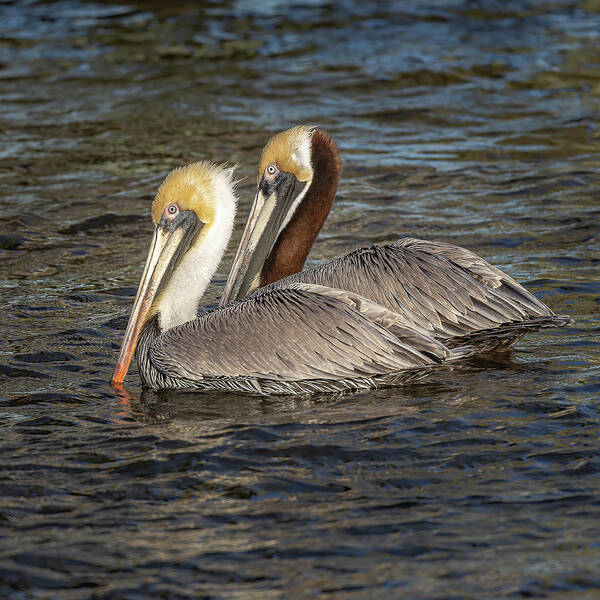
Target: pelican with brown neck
[448, 290]
[289, 208]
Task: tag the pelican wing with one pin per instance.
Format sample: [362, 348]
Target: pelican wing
[435, 286]
[295, 333]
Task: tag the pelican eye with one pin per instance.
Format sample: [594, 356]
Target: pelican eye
[171, 211]
[271, 172]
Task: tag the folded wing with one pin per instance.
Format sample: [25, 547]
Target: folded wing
[437, 287]
[295, 333]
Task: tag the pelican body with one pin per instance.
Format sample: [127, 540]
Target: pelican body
[298, 338]
[445, 291]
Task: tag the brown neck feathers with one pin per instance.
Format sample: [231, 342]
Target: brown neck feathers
[295, 241]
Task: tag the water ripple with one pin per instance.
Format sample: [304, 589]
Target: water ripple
[474, 123]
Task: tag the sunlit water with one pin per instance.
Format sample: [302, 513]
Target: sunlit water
[470, 122]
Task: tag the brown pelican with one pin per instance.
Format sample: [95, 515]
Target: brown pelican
[439, 288]
[295, 339]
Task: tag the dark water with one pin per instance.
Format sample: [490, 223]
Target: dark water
[471, 122]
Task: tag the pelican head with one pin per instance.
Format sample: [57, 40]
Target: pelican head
[193, 214]
[287, 169]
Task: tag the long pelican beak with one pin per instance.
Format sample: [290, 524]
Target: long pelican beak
[169, 244]
[269, 214]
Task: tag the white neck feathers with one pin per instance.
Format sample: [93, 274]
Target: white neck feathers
[179, 300]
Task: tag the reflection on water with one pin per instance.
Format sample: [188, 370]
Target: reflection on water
[470, 122]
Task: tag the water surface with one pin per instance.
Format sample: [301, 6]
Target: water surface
[470, 122]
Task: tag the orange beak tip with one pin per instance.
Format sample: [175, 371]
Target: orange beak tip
[118, 376]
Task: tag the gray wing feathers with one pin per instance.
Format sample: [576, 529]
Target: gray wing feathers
[417, 337]
[483, 271]
[477, 266]
[437, 287]
[300, 332]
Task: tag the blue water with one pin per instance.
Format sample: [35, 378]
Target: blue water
[469, 122]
